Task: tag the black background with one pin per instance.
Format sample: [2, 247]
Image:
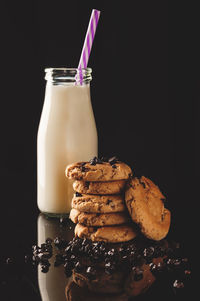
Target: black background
[145, 88]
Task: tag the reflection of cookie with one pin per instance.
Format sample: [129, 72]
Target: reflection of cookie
[117, 282]
[145, 204]
[75, 292]
[134, 287]
[97, 219]
[98, 203]
[98, 172]
[102, 282]
[112, 234]
[114, 187]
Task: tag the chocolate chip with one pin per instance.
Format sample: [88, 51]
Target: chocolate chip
[114, 166]
[68, 265]
[85, 242]
[108, 202]
[152, 267]
[111, 253]
[113, 160]
[82, 166]
[178, 284]
[68, 249]
[137, 273]
[143, 184]
[122, 250]
[43, 260]
[173, 263]
[68, 270]
[59, 259]
[91, 272]
[125, 259]
[95, 161]
[49, 240]
[102, 249]
[148, 252]
[44, 255]
[87, 184]
[77, 194]
[162, 216]
[78, 267]
[9, 260]
[109, 268]
[104, 159]
[161, 267]
[73, 258]
[44, 268]
[157, 268]
[60, 243]
[35, 248]
[177, 263]
[187, 273]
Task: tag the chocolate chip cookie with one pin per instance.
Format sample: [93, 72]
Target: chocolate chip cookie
[113, 187]
[99, 219]
[97, 170]
[145, 203]
[98, 203]
[112, 234]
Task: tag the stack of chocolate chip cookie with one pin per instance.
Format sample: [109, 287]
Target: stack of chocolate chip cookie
[98, 205]
[117, 217]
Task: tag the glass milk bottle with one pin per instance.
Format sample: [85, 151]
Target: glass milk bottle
[67, 133]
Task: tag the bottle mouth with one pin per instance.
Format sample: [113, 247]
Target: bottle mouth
[68, 75]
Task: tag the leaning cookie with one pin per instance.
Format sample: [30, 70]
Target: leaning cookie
[97, 219]
[98, 203]
[144, 201]
[104, 171]
[111, 234]
[113, 187]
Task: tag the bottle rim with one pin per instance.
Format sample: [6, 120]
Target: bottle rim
[51, 69]
[68, 75]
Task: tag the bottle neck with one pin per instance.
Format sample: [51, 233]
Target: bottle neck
[68, 76]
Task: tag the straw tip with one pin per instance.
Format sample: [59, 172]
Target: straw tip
[96, 10]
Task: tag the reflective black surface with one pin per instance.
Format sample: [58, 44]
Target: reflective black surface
[22, 226]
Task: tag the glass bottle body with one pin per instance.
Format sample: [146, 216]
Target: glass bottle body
[67, 133]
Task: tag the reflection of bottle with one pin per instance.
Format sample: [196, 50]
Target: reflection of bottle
[67, 133]
[52, 284]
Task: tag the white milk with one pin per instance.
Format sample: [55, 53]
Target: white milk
[67, 133]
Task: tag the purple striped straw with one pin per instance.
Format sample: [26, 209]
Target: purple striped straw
[89, 38]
